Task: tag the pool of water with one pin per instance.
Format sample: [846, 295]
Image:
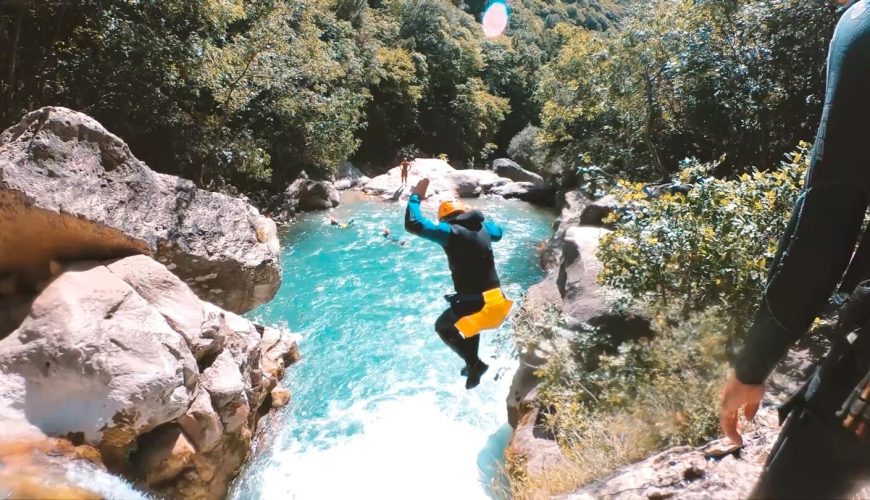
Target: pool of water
[379, 409]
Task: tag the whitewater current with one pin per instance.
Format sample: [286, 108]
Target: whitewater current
[379, 409]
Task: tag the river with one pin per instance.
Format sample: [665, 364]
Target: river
[379, 409]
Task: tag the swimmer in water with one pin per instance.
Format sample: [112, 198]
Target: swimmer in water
[334, 222]
[389, 236]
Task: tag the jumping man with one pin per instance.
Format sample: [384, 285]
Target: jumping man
[478, 303]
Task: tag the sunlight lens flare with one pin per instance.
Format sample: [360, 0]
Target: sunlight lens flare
[495, 19]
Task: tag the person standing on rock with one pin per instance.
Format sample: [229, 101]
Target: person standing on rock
[823, 450]
[478, 304]
[406, 166]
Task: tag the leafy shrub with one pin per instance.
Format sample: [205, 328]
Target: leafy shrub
[526, 149]
[646, 395]
[709, 247]
[694, 261]
[743, 79]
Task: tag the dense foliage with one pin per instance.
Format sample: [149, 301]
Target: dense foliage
[690, 256]
[611, 407]
[708, 247]
[245, 91]
[739, 79]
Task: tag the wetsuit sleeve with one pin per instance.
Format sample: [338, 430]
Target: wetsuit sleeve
[494, 230]
[415, 223]
[826, 222]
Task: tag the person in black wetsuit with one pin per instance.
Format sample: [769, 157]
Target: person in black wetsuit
[815, 457]
[466, 238]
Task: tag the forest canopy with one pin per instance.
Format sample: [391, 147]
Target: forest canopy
[247, 92]
[250, 93]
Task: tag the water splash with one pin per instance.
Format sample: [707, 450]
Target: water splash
[379, 409]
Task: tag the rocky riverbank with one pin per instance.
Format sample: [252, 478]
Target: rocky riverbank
[571, 297]
[119, 290]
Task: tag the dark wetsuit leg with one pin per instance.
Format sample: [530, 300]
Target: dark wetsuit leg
[826, 221]
[466, 348]
[809, 462]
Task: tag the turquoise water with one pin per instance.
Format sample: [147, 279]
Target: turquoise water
[379, 409]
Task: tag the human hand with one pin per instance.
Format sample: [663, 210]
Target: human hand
[420, 188]
[738, 395]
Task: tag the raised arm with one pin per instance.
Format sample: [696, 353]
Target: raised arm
[416, 223]
[494, 230]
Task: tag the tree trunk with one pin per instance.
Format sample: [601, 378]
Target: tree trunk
[13, 59]
[650, 126]
[764, 153]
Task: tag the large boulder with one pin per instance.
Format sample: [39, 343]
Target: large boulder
[389, 185]
[348, 176]
[95, 357]
[70, 190]
[528, 192]
[473, 183]
[304, 194]
[318, 195]
[513, 171]
[121, 355]
[445, 182]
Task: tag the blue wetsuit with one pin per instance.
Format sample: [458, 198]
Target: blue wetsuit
[467, 240]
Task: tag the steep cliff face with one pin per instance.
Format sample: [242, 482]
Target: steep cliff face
[717, 469]
[71, 190]
[570, 295]
[106, 340]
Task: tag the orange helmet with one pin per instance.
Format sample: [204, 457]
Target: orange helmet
[450, 207]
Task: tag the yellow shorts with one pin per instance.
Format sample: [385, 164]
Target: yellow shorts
[496, 308]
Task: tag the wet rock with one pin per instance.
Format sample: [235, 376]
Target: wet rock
[513, 171]
[280, 397]
[70, 190]
[163, 454]
[111, 352]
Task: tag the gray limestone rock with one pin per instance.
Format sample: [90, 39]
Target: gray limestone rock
[70, 190]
